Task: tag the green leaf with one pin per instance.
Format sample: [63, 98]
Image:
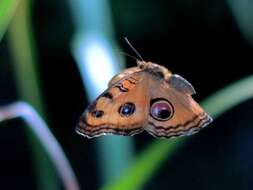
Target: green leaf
[7, 10]
[23, 53]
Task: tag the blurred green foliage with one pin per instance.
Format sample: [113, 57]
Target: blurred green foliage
[23, 52]
[7, 10]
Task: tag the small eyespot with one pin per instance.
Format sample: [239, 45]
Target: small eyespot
[161, 109]
[97, 113]
[107, 95]
[127, 109]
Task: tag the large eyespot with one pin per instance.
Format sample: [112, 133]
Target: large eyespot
[127, 109]
[161, 109]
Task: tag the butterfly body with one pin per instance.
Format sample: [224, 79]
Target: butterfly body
[147, 97]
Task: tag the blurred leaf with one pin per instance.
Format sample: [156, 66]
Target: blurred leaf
[145, 165]
[242, 11]
[160, 150]
[50, 144]
[93, 47]
[7, 10]
[23, 53]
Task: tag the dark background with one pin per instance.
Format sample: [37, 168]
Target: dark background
[199, 40]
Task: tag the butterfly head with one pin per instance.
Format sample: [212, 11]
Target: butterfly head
[155, 69]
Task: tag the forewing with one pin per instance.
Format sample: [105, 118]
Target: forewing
[105, 116]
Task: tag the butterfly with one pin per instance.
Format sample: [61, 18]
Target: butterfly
[144, 98]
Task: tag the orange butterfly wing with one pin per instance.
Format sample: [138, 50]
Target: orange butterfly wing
[185, 116]
[122, 109]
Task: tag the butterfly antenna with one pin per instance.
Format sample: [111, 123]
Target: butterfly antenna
[137, 53]
[121, 52]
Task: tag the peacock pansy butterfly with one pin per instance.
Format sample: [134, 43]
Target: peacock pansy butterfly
[147, 97]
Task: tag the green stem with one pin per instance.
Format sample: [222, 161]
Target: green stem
[22, 49]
